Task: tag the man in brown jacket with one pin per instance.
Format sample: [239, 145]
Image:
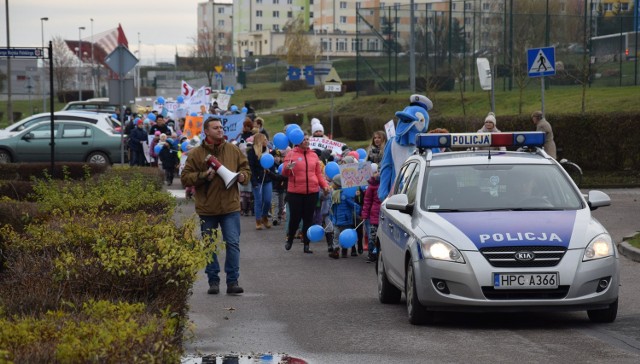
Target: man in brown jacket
[543, 125]
[217, 205]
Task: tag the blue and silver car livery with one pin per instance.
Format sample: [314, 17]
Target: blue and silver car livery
[493, 231]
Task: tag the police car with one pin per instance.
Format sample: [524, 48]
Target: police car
[490, 230]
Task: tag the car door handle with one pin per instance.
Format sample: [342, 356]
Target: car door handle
[85, 143]
[390, 226]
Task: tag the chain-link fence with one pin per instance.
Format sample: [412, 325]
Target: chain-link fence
[593, 45]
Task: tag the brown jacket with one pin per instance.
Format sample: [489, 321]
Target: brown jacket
[549, 144]
[212, 198]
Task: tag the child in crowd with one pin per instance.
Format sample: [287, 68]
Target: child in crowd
[279, 191]
[169, 158]
[371, 212]
[189, 191]
[343, 210]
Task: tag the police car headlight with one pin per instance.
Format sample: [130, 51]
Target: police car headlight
[441, 250]
[600, 247]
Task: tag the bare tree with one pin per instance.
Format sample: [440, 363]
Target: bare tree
[297, 50]
[204, 54]
[63, 64]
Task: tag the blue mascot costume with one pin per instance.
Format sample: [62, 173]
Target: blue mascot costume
[412, 120]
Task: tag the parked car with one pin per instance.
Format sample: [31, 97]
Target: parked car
[102, 120]
[75, 141]
[100, 104]
[499, 231]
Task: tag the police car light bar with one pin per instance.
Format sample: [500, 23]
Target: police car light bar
[470, 140]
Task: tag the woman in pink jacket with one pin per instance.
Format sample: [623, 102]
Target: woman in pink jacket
[304, 171]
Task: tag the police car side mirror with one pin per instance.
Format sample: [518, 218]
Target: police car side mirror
[400, 203]
[27, 136]
[598, 199]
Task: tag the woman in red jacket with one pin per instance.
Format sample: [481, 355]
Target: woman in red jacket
[371, 213]
[304, 171]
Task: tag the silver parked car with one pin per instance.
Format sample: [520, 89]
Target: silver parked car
[102, 120]
[484, 230]
[75, 141]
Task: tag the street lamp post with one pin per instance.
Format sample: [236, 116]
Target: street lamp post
[44, 101]
[93, 79]
[80, 29]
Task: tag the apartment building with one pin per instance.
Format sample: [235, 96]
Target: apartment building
[215, 24]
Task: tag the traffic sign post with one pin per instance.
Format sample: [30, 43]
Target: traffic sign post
[332, 84]
[541, 62]
[121, 61]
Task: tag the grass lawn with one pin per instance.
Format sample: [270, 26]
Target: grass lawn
[635, 241]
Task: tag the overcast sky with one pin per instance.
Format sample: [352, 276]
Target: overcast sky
[163, 25]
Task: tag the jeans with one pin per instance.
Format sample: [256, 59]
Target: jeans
[137, 158]
[262, 200]
[230, 226]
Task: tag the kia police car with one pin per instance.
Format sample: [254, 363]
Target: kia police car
[488, 230]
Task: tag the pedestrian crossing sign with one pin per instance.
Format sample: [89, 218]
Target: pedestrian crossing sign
[541, 61]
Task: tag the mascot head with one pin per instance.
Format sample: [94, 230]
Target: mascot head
[411, 121]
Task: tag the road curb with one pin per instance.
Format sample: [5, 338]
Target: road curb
[629, 251]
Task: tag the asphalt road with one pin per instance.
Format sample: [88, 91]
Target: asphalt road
[326, 311]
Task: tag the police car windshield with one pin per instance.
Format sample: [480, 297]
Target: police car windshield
[498, 187]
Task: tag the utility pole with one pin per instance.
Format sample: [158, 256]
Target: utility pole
[9, 104]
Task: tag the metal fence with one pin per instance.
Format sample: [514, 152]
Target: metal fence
[592, 45]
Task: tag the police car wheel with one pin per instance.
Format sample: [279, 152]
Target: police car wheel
[606, 315]
[418, 314]
[387, 292]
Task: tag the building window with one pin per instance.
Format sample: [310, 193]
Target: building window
[372, 45]
[341, 45]
[221, 10]
[467, 21]
[429, 6]
[258, 1]
[358, 5]
[486, 6]
[289, 2]
[453, 6]
[356, 44]
[221, 22]
[276, 27]
[258, 26]
[258, 13]
[289, 14]
[343, 20]
[276, 2]
[325, 44]
[467, 6]
[343, 5]
[276, 14]
[623, 6]
[382, 5]
[221, 35]
[311, 14]
[486, 21]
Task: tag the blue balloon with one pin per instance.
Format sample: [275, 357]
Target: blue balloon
[160, 100]
[233, 108]
[180, 99]
[151, 116]
[290, 127]
[170, 140]
[185, 146]
[244, 110]
[157, 149]
[266, 161]
[348, 238]
[296, 136]
[362, 153]
[115, 116]
[194, 114]
[280, 168]
[332, 169]
[315, 233]
[280, 141]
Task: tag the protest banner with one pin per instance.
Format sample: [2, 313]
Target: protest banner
[355, 174]
[186, 90]
[390, 129]
[231, 124]
[325, 143]
[192, 126]
[199, 102]
[223, 101]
